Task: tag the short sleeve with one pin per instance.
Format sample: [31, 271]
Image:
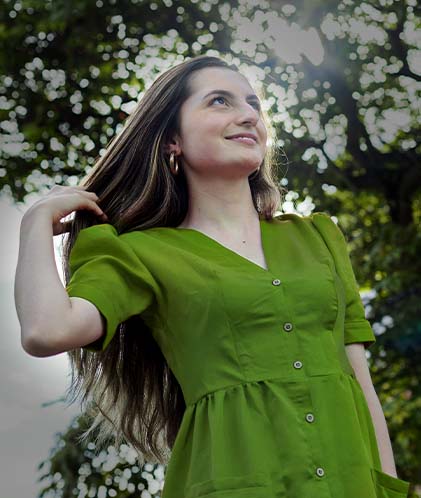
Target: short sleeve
[357, 327]
[105, 270]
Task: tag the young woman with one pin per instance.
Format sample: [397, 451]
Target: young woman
[213, 336]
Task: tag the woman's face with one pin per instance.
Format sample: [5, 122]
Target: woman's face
[209, 116]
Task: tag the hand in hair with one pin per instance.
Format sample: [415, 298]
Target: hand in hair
[61, 200]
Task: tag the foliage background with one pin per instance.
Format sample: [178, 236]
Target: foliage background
[341, 83]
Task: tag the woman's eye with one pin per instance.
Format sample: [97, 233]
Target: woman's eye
[255, 104]
[216, 98]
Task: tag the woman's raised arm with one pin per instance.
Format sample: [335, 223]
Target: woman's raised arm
[42, 303]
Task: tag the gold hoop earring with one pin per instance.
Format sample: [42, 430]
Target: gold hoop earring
[174, 170]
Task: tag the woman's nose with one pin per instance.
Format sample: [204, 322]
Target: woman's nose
[248, 114]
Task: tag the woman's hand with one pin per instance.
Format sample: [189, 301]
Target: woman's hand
[61, 200]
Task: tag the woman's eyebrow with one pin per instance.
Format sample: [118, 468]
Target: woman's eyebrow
[252, 96]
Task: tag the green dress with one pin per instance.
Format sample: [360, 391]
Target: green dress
[273, 407]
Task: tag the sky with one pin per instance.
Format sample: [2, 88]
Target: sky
[27, 429]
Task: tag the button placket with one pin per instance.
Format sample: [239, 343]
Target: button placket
[288, 326]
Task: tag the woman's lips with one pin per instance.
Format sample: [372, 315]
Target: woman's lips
[244, 140]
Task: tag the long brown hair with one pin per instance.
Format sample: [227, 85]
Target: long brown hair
[129, 390]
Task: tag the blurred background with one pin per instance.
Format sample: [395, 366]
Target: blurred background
[342, 88]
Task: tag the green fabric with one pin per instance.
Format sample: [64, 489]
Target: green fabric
[257, 423]
[106, 271]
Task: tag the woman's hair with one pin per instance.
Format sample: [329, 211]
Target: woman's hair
[131, 394]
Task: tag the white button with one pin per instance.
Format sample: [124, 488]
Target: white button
[309, 417]
[287, 326]
[276, 281]
[320, 472]
[297, 364]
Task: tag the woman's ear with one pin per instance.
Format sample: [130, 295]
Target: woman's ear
[173, 145]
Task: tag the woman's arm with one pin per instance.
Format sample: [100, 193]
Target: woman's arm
[50, 321]
[40, 298]
[358, 360]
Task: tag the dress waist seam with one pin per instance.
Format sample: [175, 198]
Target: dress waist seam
[286, 380]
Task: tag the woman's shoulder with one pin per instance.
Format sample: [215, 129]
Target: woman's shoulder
[308, 224]
[104, 236]
[153, 241]
[316, 216]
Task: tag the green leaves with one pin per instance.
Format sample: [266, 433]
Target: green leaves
[343, 101]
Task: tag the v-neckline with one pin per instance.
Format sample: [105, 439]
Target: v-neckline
[235, 254]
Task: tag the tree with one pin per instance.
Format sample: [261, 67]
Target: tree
[75, 466]
[341, 82]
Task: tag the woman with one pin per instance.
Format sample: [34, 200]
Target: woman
[197, 321]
